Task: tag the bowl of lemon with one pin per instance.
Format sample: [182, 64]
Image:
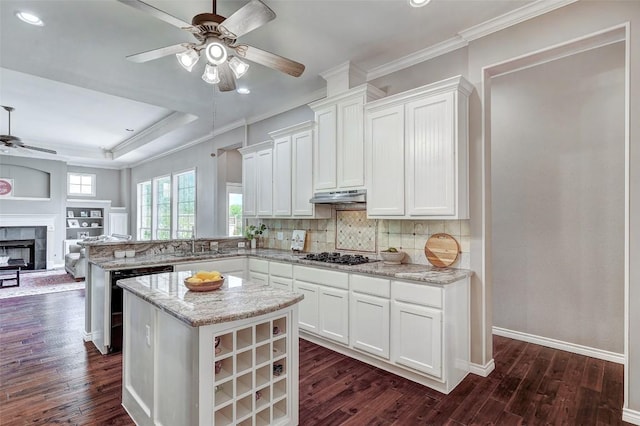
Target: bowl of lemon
[204, 281]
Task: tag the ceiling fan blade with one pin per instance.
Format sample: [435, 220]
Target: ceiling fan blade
[270, 60]
[150, 55]
[35, 148]
[158, 14]
[227, 82]
[249, 17]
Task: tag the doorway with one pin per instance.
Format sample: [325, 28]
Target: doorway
[234, 210]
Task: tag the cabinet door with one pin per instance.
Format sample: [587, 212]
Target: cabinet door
[326, 148]
[302, 173]
[386, 177]
[350, 158]
[259, 277]
[430, 156]
[369, 318]
[417, 337]
[334, 314]
[281, 283]
[118, 224]
[264, 179]
[308, 311]
[249, 183]
[282, 176]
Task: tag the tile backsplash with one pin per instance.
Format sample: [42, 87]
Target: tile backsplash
[352, 231]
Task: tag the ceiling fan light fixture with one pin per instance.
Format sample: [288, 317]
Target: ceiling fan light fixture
[29, 18]
[238, 66]
[188, 59]
[211, 74]
[418, 3]
[243, 90]
[216, 53]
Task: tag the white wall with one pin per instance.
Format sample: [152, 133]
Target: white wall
[557, 169]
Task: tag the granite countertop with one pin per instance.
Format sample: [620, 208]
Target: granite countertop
[412, 272]
[237, 299]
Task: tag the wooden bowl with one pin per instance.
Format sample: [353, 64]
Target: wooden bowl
[205, 285]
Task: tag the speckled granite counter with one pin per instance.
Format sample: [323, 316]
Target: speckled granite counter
[412, 272]
[237, 299]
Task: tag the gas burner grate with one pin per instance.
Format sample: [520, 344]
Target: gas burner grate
[338, 258]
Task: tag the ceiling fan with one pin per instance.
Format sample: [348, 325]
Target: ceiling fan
[14, 141]
[217, 37]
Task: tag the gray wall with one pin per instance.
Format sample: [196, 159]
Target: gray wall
[27, 181]
[259, 131]
[557, 166]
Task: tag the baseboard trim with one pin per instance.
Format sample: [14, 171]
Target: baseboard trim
[87, 337]
[631, 416]
[482, 370]
[559, 344]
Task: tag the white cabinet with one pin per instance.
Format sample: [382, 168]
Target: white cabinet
[308, 315]
[281, 275]
[325, 308]
[333, 305]
[339, 146]
[235, 267]
[418, 141]
[369, 317]
[257, 179]
[293, 173]
[259, 271]
[118, 222]
[417, 337]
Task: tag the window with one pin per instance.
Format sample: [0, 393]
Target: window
[81, 184]
[234, 209]
[144, 211]
[166, 207]
[185, 204]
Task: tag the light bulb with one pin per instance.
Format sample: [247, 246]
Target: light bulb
[216, 53]
[29, 18]
[418, 3]
[188, 59]
[238, 67]
[210, 74]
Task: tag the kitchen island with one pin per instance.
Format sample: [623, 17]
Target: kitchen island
[229, 356]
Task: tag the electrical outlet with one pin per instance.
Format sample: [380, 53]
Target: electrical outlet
[280, 236]
[213, 246]
[148, 335]
[241, 244]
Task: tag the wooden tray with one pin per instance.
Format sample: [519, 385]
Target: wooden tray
[441, 250]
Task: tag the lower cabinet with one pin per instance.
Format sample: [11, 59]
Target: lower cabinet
[370, 324]
[417, 337]
[333, 315]
[308, 316]
[234, 267]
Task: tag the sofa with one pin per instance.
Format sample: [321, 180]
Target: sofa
[75, 262]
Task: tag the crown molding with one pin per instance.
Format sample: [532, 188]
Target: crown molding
[514, 17]
[415, 58]
[463, 38]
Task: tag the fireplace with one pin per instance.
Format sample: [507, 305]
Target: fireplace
[25, 242]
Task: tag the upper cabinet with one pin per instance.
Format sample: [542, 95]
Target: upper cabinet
[417, 152]
[339, 149]
[278, 175]
[257, 179]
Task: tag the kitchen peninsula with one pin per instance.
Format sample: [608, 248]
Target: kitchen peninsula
[228, 356]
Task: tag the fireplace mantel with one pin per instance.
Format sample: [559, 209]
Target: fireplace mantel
[27, 220]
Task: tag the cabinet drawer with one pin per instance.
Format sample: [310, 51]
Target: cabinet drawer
[369, 285]
[281, 283]
[322, 276]
[281, 269]
[257, 265]
[417, 294]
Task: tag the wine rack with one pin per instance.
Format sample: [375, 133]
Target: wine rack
[252, 372]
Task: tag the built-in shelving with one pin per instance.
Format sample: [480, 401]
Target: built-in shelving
[250, 374]
[84, 222]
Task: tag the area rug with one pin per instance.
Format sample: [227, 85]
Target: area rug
[51, 281]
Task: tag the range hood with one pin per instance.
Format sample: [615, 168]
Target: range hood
[340, 197]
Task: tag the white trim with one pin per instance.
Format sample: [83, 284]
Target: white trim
[415, 58]
[463, 37]
[524, 13]
[627, 216]
[631, 416]
[561, 345]
[25, 199]
[482, 370]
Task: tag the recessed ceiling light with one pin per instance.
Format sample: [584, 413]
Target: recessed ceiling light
[418, 3]
[243, 90]
[30, 18]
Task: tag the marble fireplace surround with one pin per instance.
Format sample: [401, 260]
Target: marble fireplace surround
[32, 220]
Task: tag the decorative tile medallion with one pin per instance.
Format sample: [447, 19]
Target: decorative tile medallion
[354, 231]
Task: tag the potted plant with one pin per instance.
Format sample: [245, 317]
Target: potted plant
[253, 232]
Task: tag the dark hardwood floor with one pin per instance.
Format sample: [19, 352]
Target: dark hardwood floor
[48, 375]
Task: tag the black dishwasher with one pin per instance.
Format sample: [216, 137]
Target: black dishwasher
[116, 299]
